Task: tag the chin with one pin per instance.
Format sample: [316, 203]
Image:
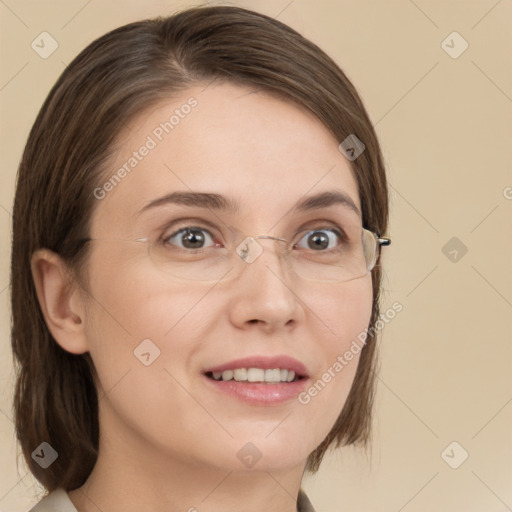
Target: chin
[262, 453]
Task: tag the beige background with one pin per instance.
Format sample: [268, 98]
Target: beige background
[445, 125]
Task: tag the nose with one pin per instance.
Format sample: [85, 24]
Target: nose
[263, 291]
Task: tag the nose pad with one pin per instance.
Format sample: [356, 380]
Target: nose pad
[249, 250]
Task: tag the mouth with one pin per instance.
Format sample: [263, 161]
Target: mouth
[259, 380]
[263, 369]
[258, 375]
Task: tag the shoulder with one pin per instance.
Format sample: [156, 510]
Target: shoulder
[303, 503]
[56, 501]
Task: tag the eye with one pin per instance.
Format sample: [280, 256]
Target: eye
[320, 239]
[191, 237]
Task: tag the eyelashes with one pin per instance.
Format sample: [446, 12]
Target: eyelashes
[191, 233]
[199, 238]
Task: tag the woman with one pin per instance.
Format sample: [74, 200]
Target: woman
[195, 270]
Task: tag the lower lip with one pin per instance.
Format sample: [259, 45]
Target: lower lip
[260, 393]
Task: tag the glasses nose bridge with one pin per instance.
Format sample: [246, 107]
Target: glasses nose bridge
[270, 237]
[281, 249]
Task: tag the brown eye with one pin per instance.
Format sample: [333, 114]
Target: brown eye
[322, 239]
[189, 238]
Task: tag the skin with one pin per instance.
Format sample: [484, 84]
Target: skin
[164, 433]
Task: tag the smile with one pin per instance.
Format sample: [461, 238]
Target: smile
[261, 375]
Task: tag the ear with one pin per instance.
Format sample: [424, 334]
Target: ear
[60, 301]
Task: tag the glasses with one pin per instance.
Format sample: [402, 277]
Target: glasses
[353, 254]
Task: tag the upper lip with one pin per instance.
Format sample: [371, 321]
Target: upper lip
[264, 362]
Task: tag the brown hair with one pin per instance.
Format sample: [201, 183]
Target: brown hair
[118, 76]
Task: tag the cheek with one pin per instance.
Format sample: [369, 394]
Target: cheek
[353, 317]
[139, 320]
[345, 316]
[127, 308]
[344, 312]
[135, 300]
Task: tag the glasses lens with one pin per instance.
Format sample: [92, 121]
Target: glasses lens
[208, 264]
[352, 257]
[370, 248]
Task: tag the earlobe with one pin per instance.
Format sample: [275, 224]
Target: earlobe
[60, 301]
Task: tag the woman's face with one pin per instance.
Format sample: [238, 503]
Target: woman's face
[154, 336]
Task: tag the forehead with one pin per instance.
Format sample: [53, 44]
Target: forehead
[263, 152]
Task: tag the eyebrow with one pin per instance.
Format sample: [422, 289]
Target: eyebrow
[219, 202]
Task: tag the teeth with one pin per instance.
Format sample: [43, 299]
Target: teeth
[240, 374]
[256, 375]
[227, 375]
[273, 375]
